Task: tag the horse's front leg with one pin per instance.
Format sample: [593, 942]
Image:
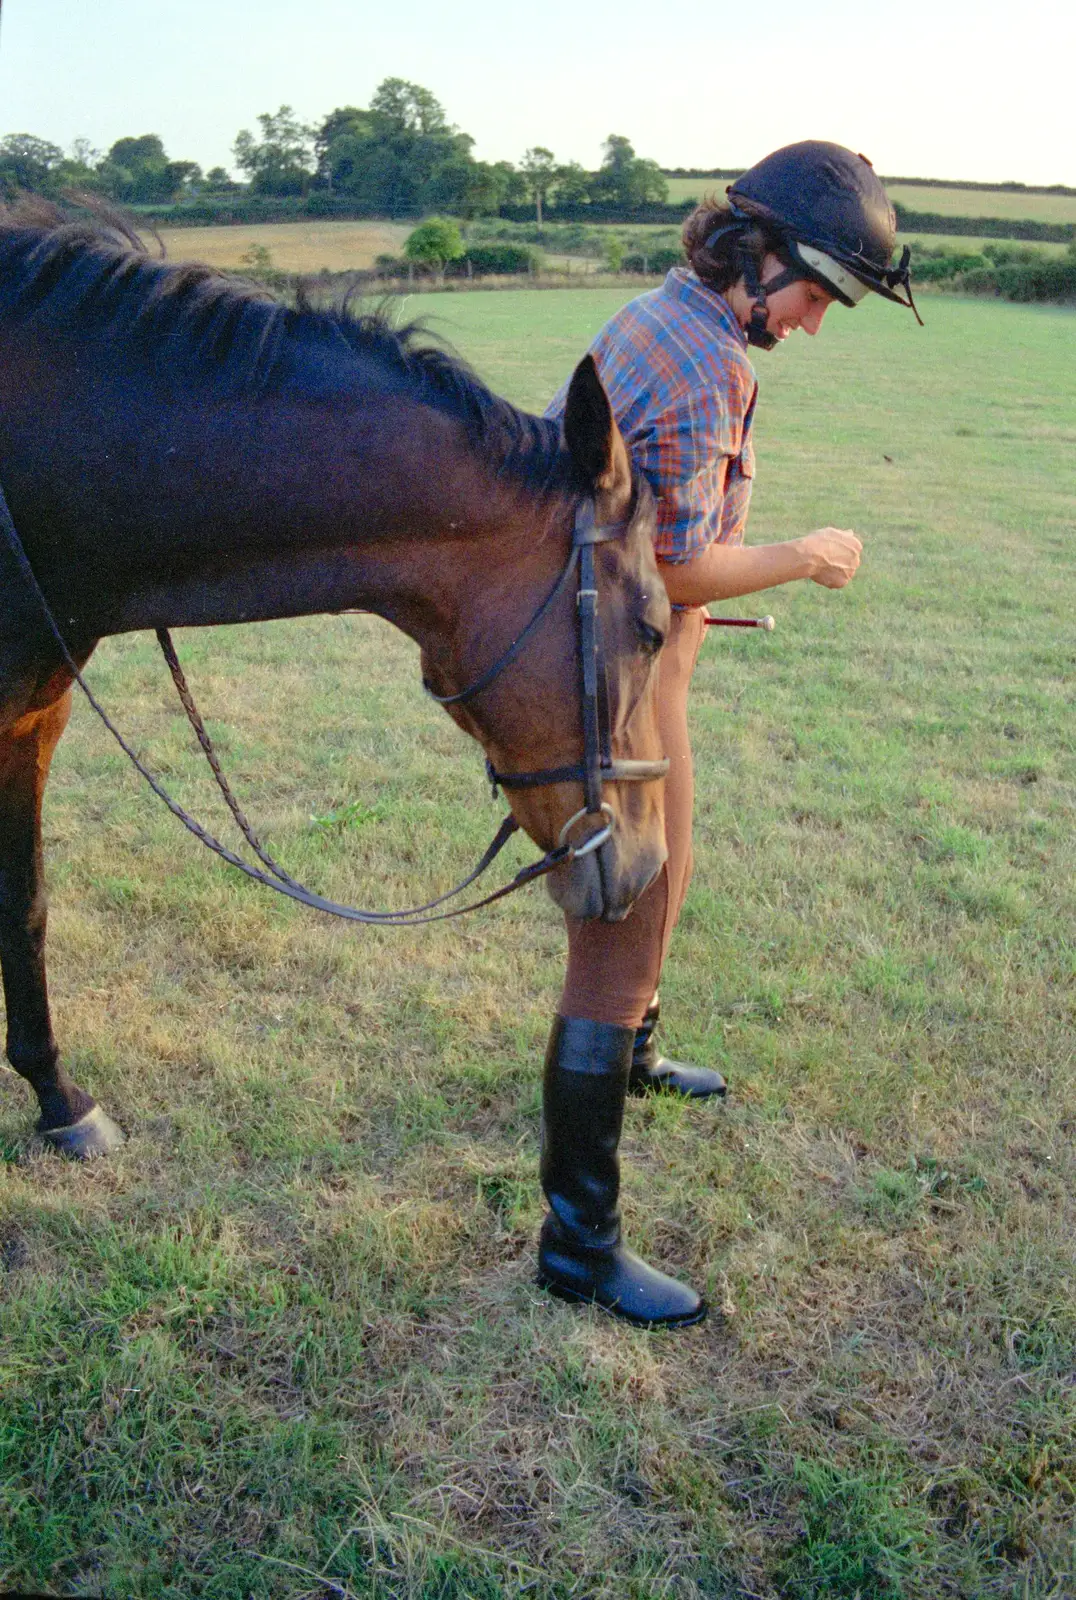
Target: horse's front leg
[70, 1118]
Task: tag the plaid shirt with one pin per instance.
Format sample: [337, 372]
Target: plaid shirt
[675, 367]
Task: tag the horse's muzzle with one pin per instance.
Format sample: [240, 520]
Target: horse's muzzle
[601, 884]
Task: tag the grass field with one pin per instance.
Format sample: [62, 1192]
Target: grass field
[949, 202]
[286, 1343]
[1009, 203]
[962, 244]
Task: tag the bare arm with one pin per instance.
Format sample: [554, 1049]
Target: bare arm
[828, 556]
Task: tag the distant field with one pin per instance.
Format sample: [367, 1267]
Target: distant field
[663, 234]
[964, 243]
[354, 246]
[986, 203]
[294, 246]
[952, 202]
[694, 188]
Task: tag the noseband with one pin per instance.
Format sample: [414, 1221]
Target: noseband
[598, 765]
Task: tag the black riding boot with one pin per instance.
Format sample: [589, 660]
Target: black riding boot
[580, 1256]
[651, 1073]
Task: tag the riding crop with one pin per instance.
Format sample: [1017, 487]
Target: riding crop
[741, 622]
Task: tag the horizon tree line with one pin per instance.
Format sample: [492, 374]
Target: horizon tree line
[398, 155]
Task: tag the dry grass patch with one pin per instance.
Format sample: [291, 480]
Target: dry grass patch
[304, 247]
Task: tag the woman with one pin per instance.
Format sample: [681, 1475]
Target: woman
[809, 225]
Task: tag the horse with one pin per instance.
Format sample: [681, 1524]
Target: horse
[180, 449]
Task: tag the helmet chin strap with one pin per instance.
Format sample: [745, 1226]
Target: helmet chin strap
[757, 332]
[756, 327]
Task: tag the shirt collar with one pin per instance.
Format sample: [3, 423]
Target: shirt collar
[689, 288]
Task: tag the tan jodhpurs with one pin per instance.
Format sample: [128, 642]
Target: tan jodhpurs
[614, 967]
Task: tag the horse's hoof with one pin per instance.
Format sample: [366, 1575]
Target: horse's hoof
[93, 1135]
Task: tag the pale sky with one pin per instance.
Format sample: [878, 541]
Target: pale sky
[927, 88]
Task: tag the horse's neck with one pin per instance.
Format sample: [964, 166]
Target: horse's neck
[419, 585]
[189, 516]
[419, 571]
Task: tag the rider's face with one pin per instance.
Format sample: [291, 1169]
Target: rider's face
[802, 305]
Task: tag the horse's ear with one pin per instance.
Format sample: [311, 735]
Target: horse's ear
[592, 436]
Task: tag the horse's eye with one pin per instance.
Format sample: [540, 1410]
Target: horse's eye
[652, 637]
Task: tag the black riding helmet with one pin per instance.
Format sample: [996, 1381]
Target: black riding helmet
[833, 223]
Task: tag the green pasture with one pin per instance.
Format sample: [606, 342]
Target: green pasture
[964, 244]
[287, 1342]
[1014, 204]
[948, 201]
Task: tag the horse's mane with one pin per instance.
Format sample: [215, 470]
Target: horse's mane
[92, 277]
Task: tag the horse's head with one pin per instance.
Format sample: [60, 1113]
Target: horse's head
[531, 713]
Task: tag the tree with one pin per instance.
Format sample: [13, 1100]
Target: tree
[219, 181]
[618, 153]
[408, 108]
[402, 155]
[145, 150]
[185, 177]
[375, 174]
[346, 122]
[84, 154]
[457, 185]
[647, 184]
[137, 170]
[539, 168]
[489, 187]
[341, 167]
[613, 250]
[282, 160]
[27, 162]
[513, 182]
[434, 242]
[625, 179]
[81, 167]
[573, 184]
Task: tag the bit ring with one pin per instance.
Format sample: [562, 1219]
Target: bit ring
[596, 840]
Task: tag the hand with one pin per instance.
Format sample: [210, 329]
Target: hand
[834, 556]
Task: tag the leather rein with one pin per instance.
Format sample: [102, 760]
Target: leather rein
[597, 766]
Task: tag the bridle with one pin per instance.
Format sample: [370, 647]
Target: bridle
[598, 765]
[596, 768]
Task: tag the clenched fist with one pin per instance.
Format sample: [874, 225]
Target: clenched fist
[833, 554]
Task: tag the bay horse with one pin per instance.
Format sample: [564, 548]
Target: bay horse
[178, 449]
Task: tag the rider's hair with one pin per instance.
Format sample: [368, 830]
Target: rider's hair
[722, 266]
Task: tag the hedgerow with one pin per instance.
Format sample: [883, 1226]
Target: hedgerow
[1008, 272]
